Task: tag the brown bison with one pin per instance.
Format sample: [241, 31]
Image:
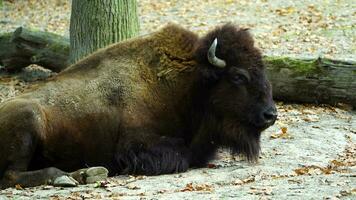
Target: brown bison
[152, 105]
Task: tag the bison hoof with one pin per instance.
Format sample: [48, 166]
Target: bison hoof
[95, 174]
[65, 181]
[90, 175]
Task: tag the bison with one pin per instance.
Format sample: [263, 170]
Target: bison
[156, 104]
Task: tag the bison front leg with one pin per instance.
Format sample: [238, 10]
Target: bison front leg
[21, 128]
[53, 176]
[165, 156]
[35, 178]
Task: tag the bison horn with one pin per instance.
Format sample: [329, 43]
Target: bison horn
[212, 57]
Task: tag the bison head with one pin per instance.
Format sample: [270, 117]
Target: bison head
[240, 95]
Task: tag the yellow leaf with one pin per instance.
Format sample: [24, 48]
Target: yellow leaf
[18, 187]
[301, 171]
[284, 130]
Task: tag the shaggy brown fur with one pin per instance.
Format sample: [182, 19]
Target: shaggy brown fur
[150, 105]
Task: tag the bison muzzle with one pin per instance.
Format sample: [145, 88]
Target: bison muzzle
[156, 104]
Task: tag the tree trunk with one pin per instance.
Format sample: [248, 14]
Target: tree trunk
[96, 23]
[25, 47]
[312, 80]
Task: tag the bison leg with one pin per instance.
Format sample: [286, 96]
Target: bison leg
[21, 129]
[54, 177]
[30, 178]
[90, 175]
[166, 156]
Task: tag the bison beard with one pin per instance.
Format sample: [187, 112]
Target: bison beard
[152, 105]
[168, 156]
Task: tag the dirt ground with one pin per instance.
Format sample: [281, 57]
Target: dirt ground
[310, 153]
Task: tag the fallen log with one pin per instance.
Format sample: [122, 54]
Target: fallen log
[317, 80]
[24, 47]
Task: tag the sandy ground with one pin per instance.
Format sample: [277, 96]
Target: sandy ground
[310, 153]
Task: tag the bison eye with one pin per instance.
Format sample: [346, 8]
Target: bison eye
[239, 79]
[239, 76]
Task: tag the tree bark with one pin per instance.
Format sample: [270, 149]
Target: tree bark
[24, 47]
[96, 23]
[318, 80]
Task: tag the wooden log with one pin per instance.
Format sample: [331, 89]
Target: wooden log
[25, 47]
[317, 80]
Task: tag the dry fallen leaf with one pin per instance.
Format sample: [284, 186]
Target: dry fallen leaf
[284, 130]
[18, 187]
[295, 181]
[198, 187]
[132, 187]
[244, 181]
[285, 11]
[302, 171]
[249, 179]
[313, 169]
[54, 197]
[212, 166]
[161, 191]
[238, 182]
[102, 184]
[188, 187]
[283, 134]
[336, 163]
[260, 190]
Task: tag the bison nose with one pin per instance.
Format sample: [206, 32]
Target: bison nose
[270, 116]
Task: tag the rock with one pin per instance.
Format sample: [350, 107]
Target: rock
[34, 73]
